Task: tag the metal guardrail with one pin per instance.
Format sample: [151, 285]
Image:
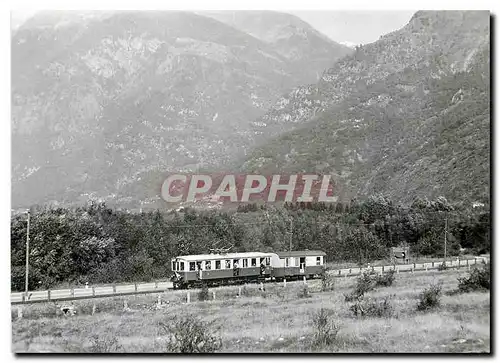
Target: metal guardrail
[152, 287]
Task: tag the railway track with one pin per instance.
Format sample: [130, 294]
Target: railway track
[152, 287]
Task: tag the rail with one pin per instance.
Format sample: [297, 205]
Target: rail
[152, 287]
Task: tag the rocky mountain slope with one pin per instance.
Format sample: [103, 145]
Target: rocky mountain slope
[294, 39]
[106, 105]
[407, 115]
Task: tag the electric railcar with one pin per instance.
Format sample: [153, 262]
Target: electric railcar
[233, 268]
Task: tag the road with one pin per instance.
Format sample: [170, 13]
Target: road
[143, 288]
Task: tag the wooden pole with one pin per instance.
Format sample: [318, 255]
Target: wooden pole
[27, 253]
[284, 282]
[93, 291]
[48, 295]
[19, 312]
[188, 297]
[213, 295]
[445, 236]
[93, 309]
[305, 280]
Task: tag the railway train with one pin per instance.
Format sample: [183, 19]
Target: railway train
[233, 268]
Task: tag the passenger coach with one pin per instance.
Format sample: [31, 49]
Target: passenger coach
[296, 264]
[219, 269]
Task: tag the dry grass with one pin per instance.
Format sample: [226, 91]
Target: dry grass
[274, 320]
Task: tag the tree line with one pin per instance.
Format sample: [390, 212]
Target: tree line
[98, 244]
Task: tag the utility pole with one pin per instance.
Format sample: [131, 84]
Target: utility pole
[445, 236]
[27, 252]
[291, 233]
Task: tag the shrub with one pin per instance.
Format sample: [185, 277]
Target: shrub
[303, 292]
[429, 298]
[327, 281]
[478, 279]
[190, 335]
[385, 279]
[442, 267]
[325, 330]
[203, 294]
[104, 345]
[372, 308]
[365, 282]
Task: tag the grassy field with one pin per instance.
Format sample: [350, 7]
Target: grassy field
[279, 319]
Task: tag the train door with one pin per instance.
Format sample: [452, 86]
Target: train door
[302, 264]
[236, 267]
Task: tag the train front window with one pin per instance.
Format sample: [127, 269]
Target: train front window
[268, 261]
[192, 266]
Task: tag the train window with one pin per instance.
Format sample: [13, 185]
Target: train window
[208, 265]
[182, 266]
[217, 265]
[177, 266]
[318, 261]
[236, 263]
[173, 266]
[192, 266]
[254, 262]
[245, 262]
[228, 263]
[287, 262]
[268, 261]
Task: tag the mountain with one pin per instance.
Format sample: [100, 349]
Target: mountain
[105, 104]
[406, 116]
[307, 50]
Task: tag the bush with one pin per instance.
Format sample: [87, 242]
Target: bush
[385, 279]
[429, 298]
[203, 294]
[365, 282]
[190, 335]
[327, 282]
[104, 345]
[303, 292]
[442, 267]
[478, 279]
[372, 308]
[325, 330]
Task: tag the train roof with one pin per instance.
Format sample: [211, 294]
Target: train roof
[215, 256]
[300, 253]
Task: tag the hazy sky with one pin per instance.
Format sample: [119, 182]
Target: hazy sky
[358, 27]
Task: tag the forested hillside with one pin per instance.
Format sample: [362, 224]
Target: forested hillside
[406, 116]
[99, 244]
